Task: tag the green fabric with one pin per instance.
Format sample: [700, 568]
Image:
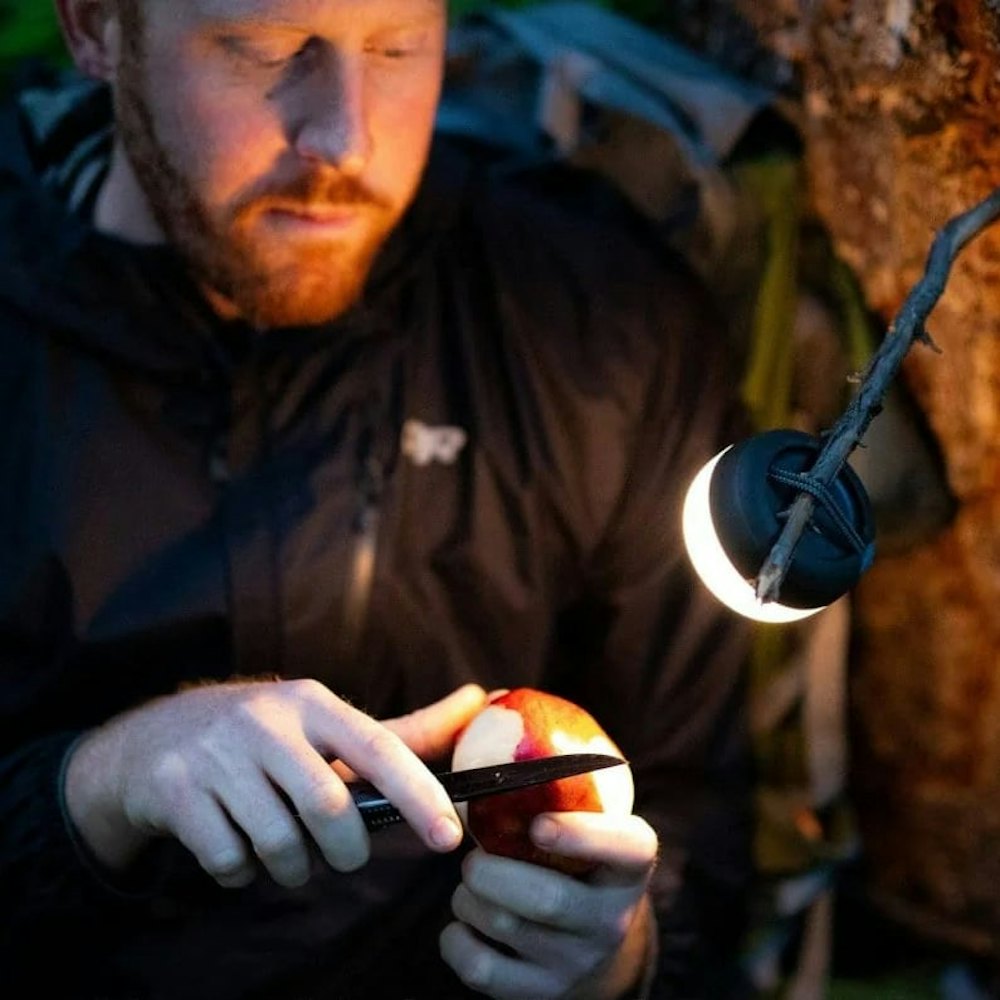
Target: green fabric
[28, 28]
[775, 184]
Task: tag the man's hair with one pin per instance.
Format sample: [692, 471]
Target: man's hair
[130, 15]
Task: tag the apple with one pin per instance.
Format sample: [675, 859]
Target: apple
[524, 724]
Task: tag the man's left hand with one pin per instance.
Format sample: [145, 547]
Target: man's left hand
[529, 933]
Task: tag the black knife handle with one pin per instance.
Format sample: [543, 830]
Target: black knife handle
[376, 810]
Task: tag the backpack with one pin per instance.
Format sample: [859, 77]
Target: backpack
[571, 83]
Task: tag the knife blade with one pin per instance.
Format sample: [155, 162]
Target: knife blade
[496, 779]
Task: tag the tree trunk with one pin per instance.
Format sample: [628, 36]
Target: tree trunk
[898, 104]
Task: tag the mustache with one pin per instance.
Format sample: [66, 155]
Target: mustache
[311, 190]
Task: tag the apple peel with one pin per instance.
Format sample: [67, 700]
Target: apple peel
[525, 724]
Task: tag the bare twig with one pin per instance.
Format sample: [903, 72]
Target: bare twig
[867, 402]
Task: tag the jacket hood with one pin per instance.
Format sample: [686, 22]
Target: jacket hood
[78, 283]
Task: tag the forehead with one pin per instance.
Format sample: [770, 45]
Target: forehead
[297, 12]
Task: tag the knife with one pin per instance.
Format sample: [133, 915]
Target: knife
[378, 812]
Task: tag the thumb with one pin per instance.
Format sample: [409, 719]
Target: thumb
[430, 731]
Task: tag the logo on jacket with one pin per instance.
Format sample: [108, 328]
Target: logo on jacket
[423, 445]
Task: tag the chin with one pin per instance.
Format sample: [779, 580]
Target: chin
[298, 296]
[275, 280]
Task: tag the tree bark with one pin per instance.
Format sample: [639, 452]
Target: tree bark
[897, 101]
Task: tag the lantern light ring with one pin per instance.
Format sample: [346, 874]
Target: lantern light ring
[815, 485]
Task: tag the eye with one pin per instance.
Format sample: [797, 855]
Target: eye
[265, 55]
[271, 62]
[398, 46]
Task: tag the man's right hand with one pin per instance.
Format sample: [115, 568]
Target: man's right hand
[241, 775]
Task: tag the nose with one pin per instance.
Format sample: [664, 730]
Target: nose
[334, 127]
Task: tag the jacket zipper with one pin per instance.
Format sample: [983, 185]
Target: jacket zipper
[377, 457]
[364, 551]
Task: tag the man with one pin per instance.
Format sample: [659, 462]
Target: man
[308, 427]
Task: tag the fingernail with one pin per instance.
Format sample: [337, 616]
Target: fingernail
[544, 832]
[446, 833]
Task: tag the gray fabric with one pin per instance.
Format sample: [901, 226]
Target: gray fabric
[573, 81]
[617, 64]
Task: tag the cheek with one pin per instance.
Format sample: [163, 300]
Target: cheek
[221, 140]
[402, 122]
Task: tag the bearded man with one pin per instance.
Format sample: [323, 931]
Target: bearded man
[316, 431]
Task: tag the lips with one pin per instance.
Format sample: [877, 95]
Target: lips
[325, 217]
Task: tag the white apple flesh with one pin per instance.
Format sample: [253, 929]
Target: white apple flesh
[525, 724]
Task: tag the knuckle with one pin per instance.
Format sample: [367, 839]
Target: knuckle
[496, 921]
[549, 902]
[321, 798]
[380, 743]
[254, 710]
[307, 689]
[258, 713]
[276, 839]
[170, 780]
[504, 924]
[477, 970]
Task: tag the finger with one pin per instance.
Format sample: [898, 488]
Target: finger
[322, 803]
[486, 970]
[206, 831]
[548, 897]
[376, 753]
[430, 731]
[275, 836]
[624, 847]
[493, 921]
[531, 941]
[529, 891]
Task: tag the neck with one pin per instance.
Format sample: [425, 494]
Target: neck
[122, 209]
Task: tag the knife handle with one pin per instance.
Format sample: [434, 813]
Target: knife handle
[376, 810]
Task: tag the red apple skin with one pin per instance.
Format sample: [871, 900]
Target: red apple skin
[551, 725]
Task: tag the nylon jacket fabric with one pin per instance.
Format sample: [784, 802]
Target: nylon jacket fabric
[182, 500]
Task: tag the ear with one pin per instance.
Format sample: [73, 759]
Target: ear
[91, 31]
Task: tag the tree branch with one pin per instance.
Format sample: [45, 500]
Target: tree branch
[867, 402]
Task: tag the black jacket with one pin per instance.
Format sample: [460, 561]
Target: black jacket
[182, 499]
